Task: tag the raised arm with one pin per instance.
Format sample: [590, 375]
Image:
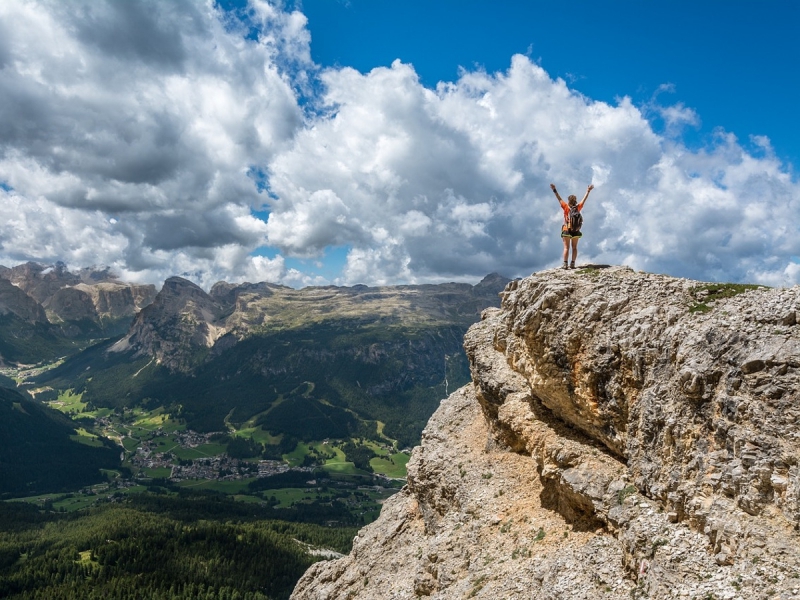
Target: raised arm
[555, 191]
[589, 189]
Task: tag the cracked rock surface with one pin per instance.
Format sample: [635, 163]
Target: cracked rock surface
[623, 436]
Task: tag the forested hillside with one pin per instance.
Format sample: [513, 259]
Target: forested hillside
[42, 451]
[358, 374]
[187, 548]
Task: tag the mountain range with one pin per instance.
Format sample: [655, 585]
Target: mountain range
[255, 359]
[47, 311]
[314, 363]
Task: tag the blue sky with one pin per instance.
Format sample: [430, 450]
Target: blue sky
[734, 62]
[382, 142]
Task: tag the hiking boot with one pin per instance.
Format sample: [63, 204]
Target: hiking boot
[571, 265]
[564, 266]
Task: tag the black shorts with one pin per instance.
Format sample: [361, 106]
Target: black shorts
[568, 233]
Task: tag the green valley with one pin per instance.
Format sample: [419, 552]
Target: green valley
[259, 415]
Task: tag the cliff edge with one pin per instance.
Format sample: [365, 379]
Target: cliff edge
[624, 435]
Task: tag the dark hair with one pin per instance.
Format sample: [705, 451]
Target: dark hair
[573, 200]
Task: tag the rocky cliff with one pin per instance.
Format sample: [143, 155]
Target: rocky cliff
[181, 320]
[16, 302]
[88, 302]
[624, 435]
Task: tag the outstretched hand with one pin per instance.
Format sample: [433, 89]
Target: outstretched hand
[591, 187]
[553, 186]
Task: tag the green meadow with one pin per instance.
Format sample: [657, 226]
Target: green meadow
[85, 437]
[69, 403]
[393, 466]
[257, 434]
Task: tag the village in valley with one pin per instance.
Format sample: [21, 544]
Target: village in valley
[213, 468]
[157, 451]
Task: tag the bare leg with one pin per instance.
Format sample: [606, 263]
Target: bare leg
[574, 249]
[566, 248]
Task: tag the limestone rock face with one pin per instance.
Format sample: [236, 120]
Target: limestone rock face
[115, 299]
[88, 301]
[15, 301]
[181, 321]
[622, 437]
[71, 304]
[41, 281]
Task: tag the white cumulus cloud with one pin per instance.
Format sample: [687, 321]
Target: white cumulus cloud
[130, 131]
[454, 182]
[143, 135]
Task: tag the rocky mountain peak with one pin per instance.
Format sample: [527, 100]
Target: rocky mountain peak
[15, 301]
[625, 435]
[178, 286]
[492, 280]
[181, 319]
[41, 281]
[183, 297]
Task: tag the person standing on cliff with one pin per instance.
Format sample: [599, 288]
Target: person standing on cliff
[571, 229]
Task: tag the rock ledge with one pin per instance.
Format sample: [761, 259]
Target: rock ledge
[624, 436]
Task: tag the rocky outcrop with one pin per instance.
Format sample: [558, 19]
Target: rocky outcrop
[41, 281]
[71, 304]
[103, 302]
[88, 302]
[16, 302]
[181, 322]
[625, 435]
[26, 336]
